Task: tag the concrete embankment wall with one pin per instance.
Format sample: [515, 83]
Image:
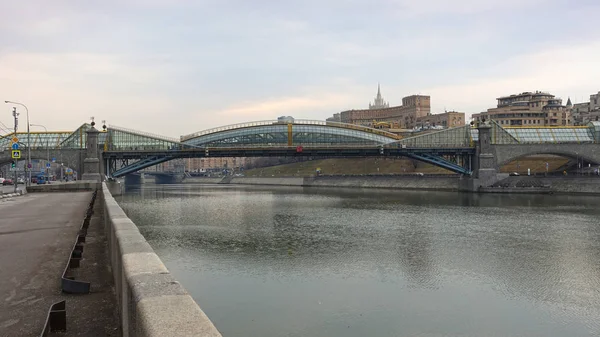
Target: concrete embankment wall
[438, 183]
[202, 180]
[409, 182]
[151, 302]
[72, 186]
[281, 181]
[574, 185]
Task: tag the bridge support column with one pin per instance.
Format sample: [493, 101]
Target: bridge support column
[486, 168]
[485, 171]
[134, 179]
[91, 164]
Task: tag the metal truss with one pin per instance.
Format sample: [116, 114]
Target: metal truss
[141, 164]
[439, 161]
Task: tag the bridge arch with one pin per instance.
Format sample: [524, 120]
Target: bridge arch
[289, 133]
[506, 153]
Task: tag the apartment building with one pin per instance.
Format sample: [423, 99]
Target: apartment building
[529, 109]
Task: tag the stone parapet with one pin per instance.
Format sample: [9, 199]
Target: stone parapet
[72, 186]
[151, 302]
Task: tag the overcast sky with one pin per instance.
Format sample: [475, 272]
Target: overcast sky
[174, 67]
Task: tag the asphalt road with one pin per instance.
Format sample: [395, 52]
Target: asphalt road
[37, 232]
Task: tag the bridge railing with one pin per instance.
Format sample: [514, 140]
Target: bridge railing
[295, 121]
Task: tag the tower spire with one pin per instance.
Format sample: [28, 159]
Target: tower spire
[379, 103]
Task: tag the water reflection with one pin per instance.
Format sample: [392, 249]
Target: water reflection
[308, 261]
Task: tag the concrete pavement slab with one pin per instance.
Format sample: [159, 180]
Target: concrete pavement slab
[37, 232]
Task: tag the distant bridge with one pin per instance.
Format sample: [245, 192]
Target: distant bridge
[126, 151]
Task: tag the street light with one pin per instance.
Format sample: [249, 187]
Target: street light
[47, 151]
[28, 139]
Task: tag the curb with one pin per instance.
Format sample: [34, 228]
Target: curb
[12, 195]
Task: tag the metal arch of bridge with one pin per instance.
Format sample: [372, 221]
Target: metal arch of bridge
[289, 133]
[454, 159]
[273, 138]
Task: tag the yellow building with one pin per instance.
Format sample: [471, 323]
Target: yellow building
[448, 119]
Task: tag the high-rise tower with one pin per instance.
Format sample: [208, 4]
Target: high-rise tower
[379, 103]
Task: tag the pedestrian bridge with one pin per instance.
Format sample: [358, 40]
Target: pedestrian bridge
[126, 151]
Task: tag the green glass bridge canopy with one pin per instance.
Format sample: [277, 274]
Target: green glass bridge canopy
[289, 133]
[275, 133]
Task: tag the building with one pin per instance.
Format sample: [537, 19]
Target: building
[336, 118]
[200, 164]
[448, 119]
[586, 112]
[379, 103]
[529, 109]
[405, 115]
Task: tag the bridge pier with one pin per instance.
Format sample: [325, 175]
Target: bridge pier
[168, 178]
[485, 166]
[134, 179]
[91, 164]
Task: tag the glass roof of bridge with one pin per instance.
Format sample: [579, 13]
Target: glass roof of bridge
[551, 134]
[284, 133]
[542, 134]
[39, 140]
[123, 139]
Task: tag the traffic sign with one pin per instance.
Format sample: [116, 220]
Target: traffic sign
[48, 165]
[54, 160]
[15, 146]
[16, 154]
[15, 139]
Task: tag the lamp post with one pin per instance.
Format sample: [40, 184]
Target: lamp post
[47, 151]
[28, 139]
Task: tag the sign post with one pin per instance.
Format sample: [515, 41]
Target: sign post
[15, 140]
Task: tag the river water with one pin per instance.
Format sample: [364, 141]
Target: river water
[278, 261]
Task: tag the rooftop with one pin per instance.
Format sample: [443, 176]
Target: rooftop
[526, 93]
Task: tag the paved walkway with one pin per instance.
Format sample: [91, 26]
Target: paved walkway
[37, 232]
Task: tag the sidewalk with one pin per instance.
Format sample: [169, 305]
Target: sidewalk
[37, 232]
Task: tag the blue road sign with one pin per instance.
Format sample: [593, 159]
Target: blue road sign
[54, 160]
[48, 165]
[15, 146]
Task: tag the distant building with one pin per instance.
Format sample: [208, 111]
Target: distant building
[529, 109]
[336, 118]
[379, 103]
[587, 111]
[448, 119]
[203, 164]
[405, 115]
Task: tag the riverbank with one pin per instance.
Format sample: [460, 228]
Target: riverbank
[521, 184]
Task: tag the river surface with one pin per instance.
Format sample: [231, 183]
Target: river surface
[279, 261]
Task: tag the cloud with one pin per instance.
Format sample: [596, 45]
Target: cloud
[63, 90]
[572, 70]
[424, 7]
[174, 67]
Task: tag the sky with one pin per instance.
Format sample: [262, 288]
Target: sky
[174, 67]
